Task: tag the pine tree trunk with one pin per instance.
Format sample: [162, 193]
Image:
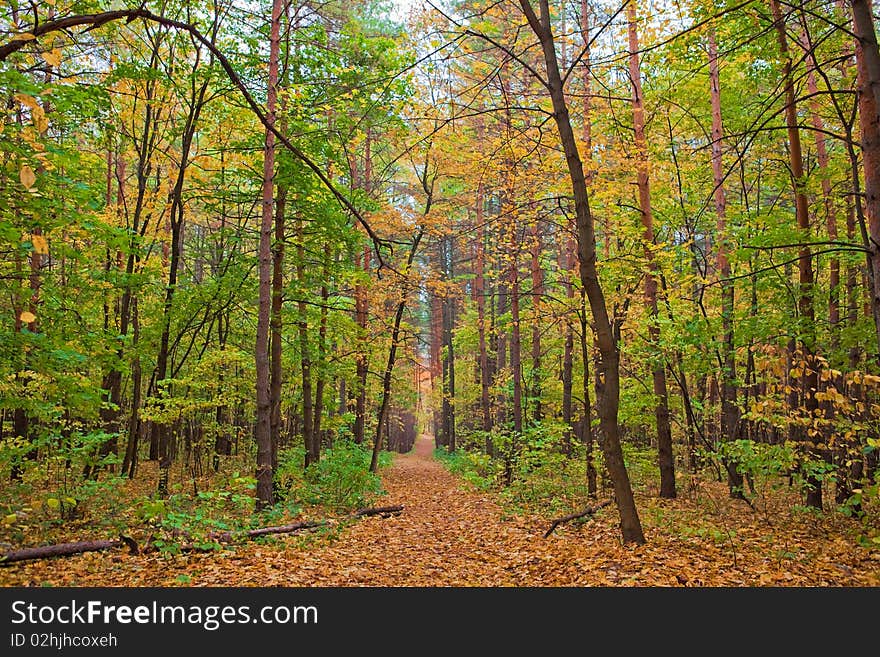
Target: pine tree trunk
[729, 407]
[263, 421]
[806, 325]
[868, 66]
[480, 294]
[537, 292]
[665, 456]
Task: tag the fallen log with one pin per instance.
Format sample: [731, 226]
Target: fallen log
[383, 511]
[588, 512]
[226, 537]
[78, 547]
[66, 549]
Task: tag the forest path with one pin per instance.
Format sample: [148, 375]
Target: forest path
[447, 535]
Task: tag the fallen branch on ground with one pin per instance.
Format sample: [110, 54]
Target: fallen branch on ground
[383, 511]
[588, 512]
[66, 549]
[78, 547]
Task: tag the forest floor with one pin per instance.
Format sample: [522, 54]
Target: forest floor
[451, 534]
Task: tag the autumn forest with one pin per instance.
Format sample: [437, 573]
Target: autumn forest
[465, 292]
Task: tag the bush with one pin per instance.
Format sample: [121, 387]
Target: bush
[341, 480]
[476, 468]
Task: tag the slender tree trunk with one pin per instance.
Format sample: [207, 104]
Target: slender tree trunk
[361, 309]
[263, 424]
[176, 215]
[312, 454]
[362, 357]
[809, 379]
[387, 376]
[112, 381]
[500, 356]
[609, 361]
[537, 292]
[322, 347]
[275, 320]
[515, 331]
[827, 201]
[666, 458]
[587, 416]
[729, 406]
[130, 462]
[567, 261]
[480, 294]
[868, 66]
[448, 355]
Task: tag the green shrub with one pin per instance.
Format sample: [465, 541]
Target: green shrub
[341, 480]
[475, 467]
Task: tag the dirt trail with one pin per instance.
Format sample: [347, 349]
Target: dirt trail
[446, 536]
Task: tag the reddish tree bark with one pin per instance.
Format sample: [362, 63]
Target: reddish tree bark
[480, 297]
[729, 406]
[263, 425]
[661, 409]
[806, 338]
[868, 67]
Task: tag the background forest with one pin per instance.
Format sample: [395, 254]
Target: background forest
[597, 250]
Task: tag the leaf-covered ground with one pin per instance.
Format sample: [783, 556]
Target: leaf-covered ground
[451, 535]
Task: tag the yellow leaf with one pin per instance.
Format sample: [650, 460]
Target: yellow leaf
[27, 317]
[53, 503]
[11, 518]
[52, 57]
[41, 123]
[24, 36]
[27, 176]
[27, 101]
[40, 244]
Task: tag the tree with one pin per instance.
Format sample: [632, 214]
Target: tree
[609, 361]
[263, 425]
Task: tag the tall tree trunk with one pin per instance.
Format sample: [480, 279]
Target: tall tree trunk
[515, 330]
[112, 380]
[809, 379]
[868, 66]
[500, 355]
[567, 261]
[609, 361]
[480, 294]
[263, 421]
[176, 215]
[823, 160]
[729, 406]
[586, 423]
[395, 337]
[312, 454]
[276, 372]
[665, 456]
[362, 357]
[322, 347]
[537, 292]
[448, 355]
[137, 229]
[361, 309]
[130, 461]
